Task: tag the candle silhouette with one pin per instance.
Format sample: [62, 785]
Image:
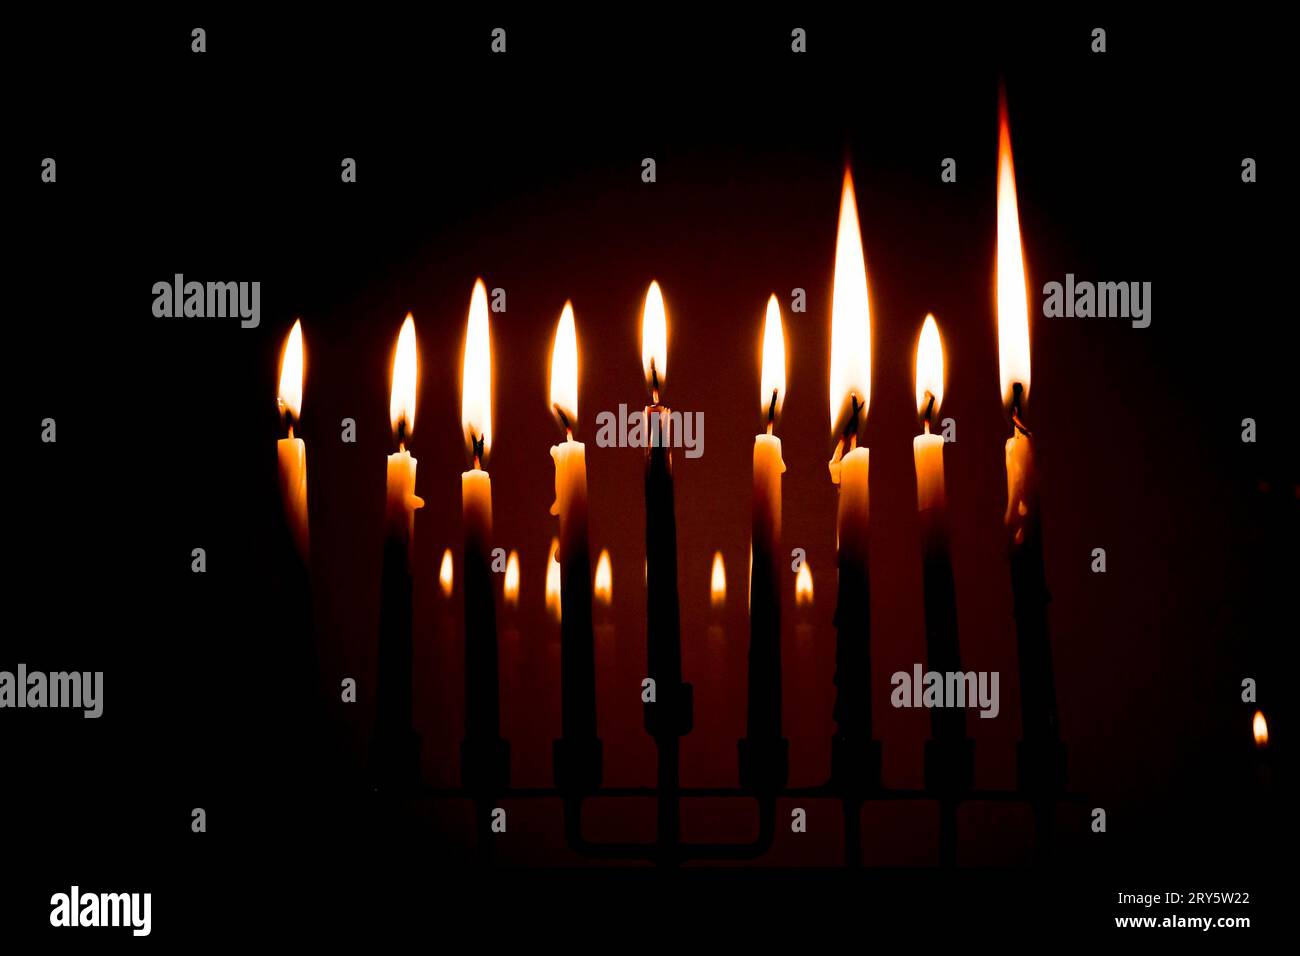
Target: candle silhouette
[663, 636]
[762, 752]
[291, 451]
[396, 744]
[669, 715]
[485, 759]
[855, 755]
[947, 723]
[577, 753]
[1042, 760]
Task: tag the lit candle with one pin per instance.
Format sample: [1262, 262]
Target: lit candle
[446, 576]
[606, 636]
[716, 644]
[1042, 759]
[578, 746]
[948, 758]
[854, 754]
[762, 752]
[604, 585]
[553, 579]
[291, 451]
[396, 744]
[670, 713]
[483, 750]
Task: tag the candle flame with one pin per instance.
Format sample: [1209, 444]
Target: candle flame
[1260, 726]
[511, 583]
[654, 340]
[604, 586]
[803, 586]
[553, 579]
[445, 573]
[291, 373]
[401, 402]
[772, 379]
[1012, 290]
[476, 376]
[564, 370]
[929, 370]
[850, 318]
[718, 582]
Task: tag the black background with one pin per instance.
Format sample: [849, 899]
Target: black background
[525, 168]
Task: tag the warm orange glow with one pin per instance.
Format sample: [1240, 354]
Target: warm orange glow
[604, 586]
[553, 579]
[564, 370]
[291, 372]
[773, 375]
[803, 586]
[1261, 729]
[718, 582]
[850, 318]
[445, 573]
[401, 402]
[929, 369]
[654, 340]
[1013, 292]
[476, 374]
[511, 584]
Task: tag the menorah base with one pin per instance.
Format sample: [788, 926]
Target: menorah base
[764, 764]
[673, 712]
[579, 765]
[855, 764]
[950, 765]
[1040, 766]
[485, 765]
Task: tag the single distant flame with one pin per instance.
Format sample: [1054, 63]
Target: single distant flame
[553, 579]
[511, 584]
[850, 318]
[564, 370]
[291, 373]
[718, 583]
[803, 586]
[445, 573]
[476, 375]
[654, 339]
[401, 402]
[1261, 729]
[1013, 293]
[929, 369]
[604, 586]
[772, 379]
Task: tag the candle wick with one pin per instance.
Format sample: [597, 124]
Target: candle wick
[771, 411]
[291, 429]
[654, 381]
[564, 420]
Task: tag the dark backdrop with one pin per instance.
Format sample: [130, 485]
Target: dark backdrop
[525, 169]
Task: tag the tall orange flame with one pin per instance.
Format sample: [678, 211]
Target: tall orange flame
[654, 340]
[401, 402]
[291, 373]
[929, 368]
[772, 378]
[1012, 287]
[850, 318]
[476, 374]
